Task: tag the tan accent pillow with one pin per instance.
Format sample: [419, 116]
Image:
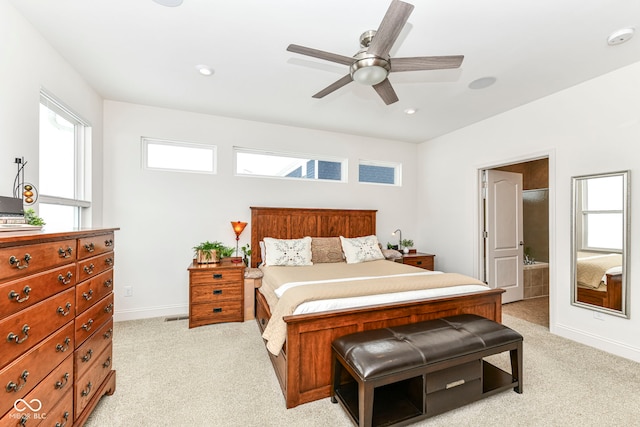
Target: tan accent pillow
[326, 249]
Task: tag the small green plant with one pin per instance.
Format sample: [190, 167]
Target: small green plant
[246, 253]
[407, 243]
[31, 217]
[212, 251]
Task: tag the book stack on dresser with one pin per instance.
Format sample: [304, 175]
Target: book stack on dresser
[56, 325]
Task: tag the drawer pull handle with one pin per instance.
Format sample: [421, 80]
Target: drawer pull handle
[108, 308]
[109, 261]
[15, 296]
[89, 268]
[108, 242]
[16, 339]
[66, 418]
[217, 310]
[87, 326]
[108, 334]
[65, 379]
[217, 276]
[65, 253]
[217, 291]
[16, 262]
[65, 280]
[108, 283]
[87, 356]
[88, 295]
[62, 348]
[87, 390]
[90, 247]
[107, 362]
[419, 262]
[62, 311]
[454, 384]
[22, 381]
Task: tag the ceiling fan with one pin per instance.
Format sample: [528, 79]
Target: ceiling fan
[372, 64]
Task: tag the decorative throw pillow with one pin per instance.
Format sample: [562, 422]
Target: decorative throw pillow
[391, 254]
[289, 252]
[361, 249]
[326, 249]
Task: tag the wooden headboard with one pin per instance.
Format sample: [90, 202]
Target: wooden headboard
[294, 223]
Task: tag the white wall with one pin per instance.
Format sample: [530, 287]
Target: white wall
[162, 215]
[27, 64]
[590, 128]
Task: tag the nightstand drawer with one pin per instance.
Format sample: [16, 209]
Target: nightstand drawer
[222, 276]
[220, 311]
[216, 292]
[422, 262]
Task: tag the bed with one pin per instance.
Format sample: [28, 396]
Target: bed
[303, 364]
[599, 278]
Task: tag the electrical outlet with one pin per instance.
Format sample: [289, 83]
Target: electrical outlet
[128, 291]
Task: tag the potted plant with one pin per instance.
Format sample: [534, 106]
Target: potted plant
[31, 218]
[211, 252]
[406, 244]
[246, 254]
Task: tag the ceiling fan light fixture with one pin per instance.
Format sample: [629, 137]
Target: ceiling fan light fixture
[168, 3]
[205, 70]
[370, 71]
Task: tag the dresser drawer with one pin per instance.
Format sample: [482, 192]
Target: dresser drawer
[20, 261]
[216, 292]
[37, 363]
[91, 267]
[85, 356]
[212, 276]
[92, 319]
[422, 262]
[220, 311]
[92, 290]
[22, 331]
[85, 387]
[23, 293]
[95, 245]
[61, 415]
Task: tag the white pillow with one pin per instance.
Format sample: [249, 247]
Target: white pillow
[289, 252]
[361, 249]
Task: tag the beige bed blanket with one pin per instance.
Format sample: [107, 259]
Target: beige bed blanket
[276, 330]
[591, 269]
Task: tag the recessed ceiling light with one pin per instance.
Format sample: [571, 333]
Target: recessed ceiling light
[169, 3]
[204, 70]
[620, 36]
[410, 111]
[482, 83]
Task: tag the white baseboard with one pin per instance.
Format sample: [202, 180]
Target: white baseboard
[149, 312]
[604, 344]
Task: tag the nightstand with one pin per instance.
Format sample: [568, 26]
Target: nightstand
[216, 293]
[418, 259]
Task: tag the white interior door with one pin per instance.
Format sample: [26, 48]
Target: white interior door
[503, 233]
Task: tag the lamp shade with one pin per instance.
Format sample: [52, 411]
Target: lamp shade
[238, 227]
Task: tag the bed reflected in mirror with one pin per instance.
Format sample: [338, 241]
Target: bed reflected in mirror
[600, 230]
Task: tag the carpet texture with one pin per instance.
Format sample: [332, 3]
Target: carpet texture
[220, 375]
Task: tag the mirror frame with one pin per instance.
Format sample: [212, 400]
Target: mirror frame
[575, 184]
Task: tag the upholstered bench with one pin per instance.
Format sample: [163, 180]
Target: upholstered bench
[400, 374]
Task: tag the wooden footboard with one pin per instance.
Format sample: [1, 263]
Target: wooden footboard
[303, 367]
[611, 298]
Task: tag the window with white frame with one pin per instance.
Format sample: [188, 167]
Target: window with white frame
[161, 154]
[377, 172]
[64, 150]
[602, 213]
[289, 165]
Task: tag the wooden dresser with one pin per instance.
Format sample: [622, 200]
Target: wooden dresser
[216, 293]
[418, 259]
[56, 325]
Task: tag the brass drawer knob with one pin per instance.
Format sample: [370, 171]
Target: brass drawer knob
[65, 379]
[62, 348]
[90, 247]
[65, 280]
[61, 311]
[15, 296]
[16, 262]
[16, 387]
[16, 338]
[65, 253]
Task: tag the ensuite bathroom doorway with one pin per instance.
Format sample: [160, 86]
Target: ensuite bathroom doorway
[534, 306]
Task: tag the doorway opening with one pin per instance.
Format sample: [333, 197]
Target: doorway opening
[534, 305]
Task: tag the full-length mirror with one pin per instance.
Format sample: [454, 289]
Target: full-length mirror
[600, 231]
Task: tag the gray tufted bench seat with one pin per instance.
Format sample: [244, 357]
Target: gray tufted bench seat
[398, 375]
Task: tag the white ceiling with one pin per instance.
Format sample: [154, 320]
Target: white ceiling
[140, 52]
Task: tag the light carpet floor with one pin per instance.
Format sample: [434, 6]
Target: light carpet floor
[220, 375]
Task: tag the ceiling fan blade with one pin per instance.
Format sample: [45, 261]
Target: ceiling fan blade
[386, 92]
[418, 63]
[333, 57]
[334, 86]
[390, 27]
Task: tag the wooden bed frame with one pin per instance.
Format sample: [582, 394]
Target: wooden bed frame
[611, 298]
[303, 367]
